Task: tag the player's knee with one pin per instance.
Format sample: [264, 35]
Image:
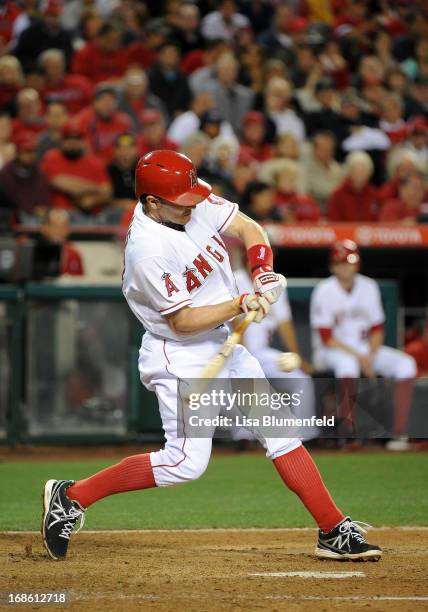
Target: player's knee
[406, 367]
[192, 467]
[348, 367]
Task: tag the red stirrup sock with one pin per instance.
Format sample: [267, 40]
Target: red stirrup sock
[299, 472]
[130, 474]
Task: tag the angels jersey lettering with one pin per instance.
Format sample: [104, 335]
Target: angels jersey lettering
[166, 269]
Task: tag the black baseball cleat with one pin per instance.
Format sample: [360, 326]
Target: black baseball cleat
[59, 517]
[346, 543]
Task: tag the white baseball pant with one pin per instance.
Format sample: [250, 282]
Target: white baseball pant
[388, 362]
[161, 363]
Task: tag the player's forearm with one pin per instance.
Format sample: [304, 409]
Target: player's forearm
[247, 230]
[376, 340]
[333, 343]
[190, 320]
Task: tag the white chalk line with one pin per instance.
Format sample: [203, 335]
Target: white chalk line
[309, 574]
[73, 596]
[218, 530]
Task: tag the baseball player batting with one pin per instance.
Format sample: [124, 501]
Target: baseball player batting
[347, 318]
[179, 284]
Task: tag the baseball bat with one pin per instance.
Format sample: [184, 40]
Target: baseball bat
[215, 365]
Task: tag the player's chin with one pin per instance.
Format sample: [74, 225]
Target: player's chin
[186, 216]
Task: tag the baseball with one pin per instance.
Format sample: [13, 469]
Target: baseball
[287, 362]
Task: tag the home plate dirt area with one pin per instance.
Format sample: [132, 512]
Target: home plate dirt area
[218, 570]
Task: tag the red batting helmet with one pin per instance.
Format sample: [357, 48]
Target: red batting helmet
[345, 251]
[171, 176]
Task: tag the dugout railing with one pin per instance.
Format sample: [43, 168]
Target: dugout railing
[68, 362]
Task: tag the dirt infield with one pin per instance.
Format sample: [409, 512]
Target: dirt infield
[212, 570]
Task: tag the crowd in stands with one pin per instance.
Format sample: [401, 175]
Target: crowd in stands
[302, 111]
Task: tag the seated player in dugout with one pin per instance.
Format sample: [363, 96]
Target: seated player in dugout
[347, 320]
[179, 284]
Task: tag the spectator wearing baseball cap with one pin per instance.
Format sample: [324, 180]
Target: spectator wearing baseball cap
[78, 180]
[23, 182]
[104, 58]
[102, 122]
[253, 133]
[326, 117]
[44, 33]
[154, 133]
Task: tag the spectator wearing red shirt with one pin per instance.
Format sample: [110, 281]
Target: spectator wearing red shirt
[29, 117]
[154, 133]
[11, 81]
[253, 137]
[23, 182]
[9, 11]
[145, 53]
[411, 201]
[355, 199]
[102, 122]
[418, 349]
[102, 59]
[56, 230]
[73, 90]
[292, 205]
[78, 180]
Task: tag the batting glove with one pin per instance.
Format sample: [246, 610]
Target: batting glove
[270, 285]
[250, 301]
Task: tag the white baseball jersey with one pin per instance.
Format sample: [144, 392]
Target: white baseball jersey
[166, 269]
[259, 336]
[349, 314]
